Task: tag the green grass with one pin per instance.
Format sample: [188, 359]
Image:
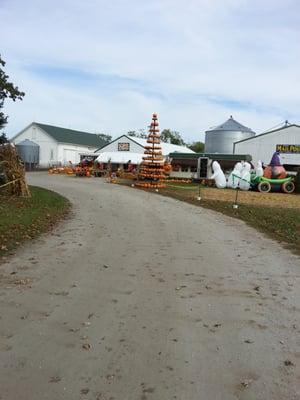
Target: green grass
[182, 186]
[23, 219]
[282, 224]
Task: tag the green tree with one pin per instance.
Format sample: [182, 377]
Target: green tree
[139, 134]
[132, 133]
[7, 90]
[3, 138]
[103, 136]
[172, 137]
[197, 147]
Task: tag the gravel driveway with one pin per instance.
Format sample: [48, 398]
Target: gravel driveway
[142, 297]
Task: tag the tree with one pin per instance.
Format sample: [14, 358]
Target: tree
[3, 138]
[197, 147]
[139, 134]
[132, 133]
[172, 137]
[103, 136]
[7, 90]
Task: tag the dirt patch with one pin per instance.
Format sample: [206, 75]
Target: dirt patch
[253, 198]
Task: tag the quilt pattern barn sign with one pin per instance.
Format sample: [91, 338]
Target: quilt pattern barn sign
[288, 148]
[123, 146]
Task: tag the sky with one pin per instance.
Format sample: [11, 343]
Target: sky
[106, 66]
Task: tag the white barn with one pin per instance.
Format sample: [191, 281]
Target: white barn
[58, 145]
[130, 148]
[286, 140]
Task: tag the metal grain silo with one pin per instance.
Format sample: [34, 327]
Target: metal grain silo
[221, 138]
[29, 152]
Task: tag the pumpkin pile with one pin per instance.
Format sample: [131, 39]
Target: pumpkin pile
[151, 170]
[67, 169]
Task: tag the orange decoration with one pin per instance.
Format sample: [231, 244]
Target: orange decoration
[275, 172]
[152, 167]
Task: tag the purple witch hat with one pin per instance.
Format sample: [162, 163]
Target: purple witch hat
[275, 161]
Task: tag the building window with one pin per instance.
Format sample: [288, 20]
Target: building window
[193, 169]
[51, 154]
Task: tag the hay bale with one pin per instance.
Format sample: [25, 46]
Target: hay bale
[12, 168]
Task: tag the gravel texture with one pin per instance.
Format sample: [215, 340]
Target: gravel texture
[142, 297]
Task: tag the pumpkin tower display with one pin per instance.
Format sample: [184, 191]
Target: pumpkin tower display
[151, 170]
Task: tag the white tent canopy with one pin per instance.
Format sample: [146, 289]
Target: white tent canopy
[120, 157]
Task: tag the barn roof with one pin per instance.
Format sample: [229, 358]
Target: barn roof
[212, 156]
[268, 132]
[65, 135]
[231, 125]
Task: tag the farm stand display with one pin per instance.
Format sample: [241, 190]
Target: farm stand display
[151, 170]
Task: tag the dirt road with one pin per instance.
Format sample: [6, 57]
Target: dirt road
[142, 297]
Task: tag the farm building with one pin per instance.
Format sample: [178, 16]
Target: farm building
[129, 148]
[56, 145]
[187, 165]
[285, 140]
[220, 139]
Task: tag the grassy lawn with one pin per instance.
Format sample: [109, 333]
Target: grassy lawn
[23, 219]
[278, 216]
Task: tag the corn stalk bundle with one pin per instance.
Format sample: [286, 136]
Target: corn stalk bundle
[13, 169]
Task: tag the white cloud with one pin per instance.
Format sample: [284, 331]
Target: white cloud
[195, 62]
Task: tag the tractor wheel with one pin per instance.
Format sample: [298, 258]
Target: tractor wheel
[288, 187]
[264, 187]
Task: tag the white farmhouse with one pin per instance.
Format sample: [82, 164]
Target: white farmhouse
[58, 146]
[285, 140]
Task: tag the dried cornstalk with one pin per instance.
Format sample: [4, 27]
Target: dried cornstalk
[14, 171]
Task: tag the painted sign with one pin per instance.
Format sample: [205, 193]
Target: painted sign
[288, 148]
[123, 146]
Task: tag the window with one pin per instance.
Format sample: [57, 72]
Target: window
[51, 154]
[184, 169]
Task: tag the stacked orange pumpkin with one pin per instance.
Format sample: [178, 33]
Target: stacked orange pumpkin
[152, 167]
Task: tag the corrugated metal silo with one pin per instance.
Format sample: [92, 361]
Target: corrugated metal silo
[221, 138]
[29, 152]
